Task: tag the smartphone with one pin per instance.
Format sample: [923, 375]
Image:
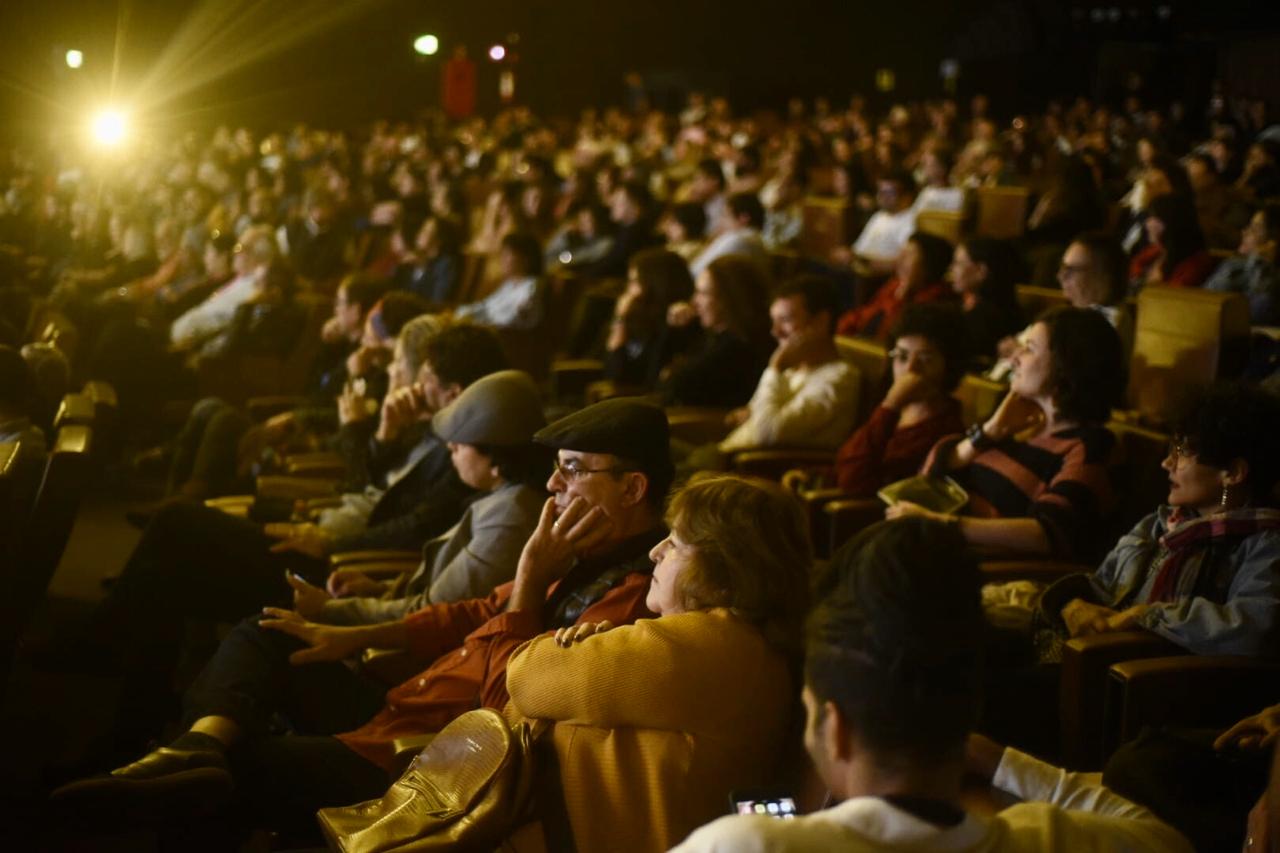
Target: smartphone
[764, 803]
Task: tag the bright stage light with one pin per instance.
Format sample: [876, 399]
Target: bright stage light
[427, 45]
[497, 53]
[74, 59]
[109, 127]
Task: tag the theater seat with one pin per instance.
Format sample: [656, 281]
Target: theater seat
[46, 531]
[1086, 662]
[1184, 339]
[1001, 212]
[1191, 691]
[872, 361]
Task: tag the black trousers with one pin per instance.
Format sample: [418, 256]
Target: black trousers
[282, 779]
[192, 563]
[1177, 774]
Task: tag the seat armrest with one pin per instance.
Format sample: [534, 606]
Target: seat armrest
[607, 390]
[1192, 691]
[772, 462]
[697, 426]
[261, 408]
[1083, 691]
[322, 463]
[295, 488]
[234, 505]
[1048, 571]
[350, 558]
[385, 568]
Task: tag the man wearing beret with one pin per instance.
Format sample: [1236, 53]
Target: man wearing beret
[587, 561]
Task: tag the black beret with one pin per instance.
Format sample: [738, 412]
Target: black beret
[623, 426]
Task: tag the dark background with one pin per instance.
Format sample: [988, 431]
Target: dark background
[574, 53]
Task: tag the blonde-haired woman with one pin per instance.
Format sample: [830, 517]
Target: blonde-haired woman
[657, 722]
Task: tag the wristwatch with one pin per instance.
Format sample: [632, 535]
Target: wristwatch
[979, 439]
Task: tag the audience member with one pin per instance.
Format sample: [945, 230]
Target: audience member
[807, 395]
[740, 234]
[927, 354]
[517, 303]
[729, 586]
[636, 349]
[1202, 569]
[893, 662]
[727, 354]
[1047, 493]
[1175, 254]
[919, 279]
[1253, 271]
[586, 562]
[984, 274]
[489, 430]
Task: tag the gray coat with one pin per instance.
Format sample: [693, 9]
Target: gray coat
[477, 554]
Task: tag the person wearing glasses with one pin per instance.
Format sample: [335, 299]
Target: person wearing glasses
[918, 410]
[1204, 569]
[650, 734]
[1037, 471]
[587, 561]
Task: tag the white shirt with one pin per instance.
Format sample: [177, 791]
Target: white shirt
[800, 407]
[739, 241]
[516, 304]
[885, 234]
[215, 314]
[1061, 811]
[946, 199]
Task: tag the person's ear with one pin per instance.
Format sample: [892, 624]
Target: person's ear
[984, 270]
[635, 488]
[835, 734]
[1236, 473]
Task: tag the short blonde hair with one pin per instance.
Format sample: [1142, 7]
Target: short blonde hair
[752, 552]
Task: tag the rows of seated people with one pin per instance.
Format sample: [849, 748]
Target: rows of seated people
[460, 416]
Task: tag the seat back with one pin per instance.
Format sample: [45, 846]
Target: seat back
[75, 409]
[941, 223]
[1184, 339]
[826, 226]
[1002, 212]
[872, 360]
[978, 397]
[1034, 300]
[531, 350]
[53, 513]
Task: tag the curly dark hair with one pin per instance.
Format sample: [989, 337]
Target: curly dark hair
[1087, 369]
[943, 326]
[1234, 420]
[463, 352]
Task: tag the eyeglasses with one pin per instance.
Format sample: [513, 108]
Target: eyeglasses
[1072, 269]
[1179, 450]
[572, 471]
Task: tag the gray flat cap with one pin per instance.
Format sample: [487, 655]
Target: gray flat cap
[500, 409]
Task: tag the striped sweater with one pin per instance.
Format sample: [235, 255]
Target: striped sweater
[1061, 479]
